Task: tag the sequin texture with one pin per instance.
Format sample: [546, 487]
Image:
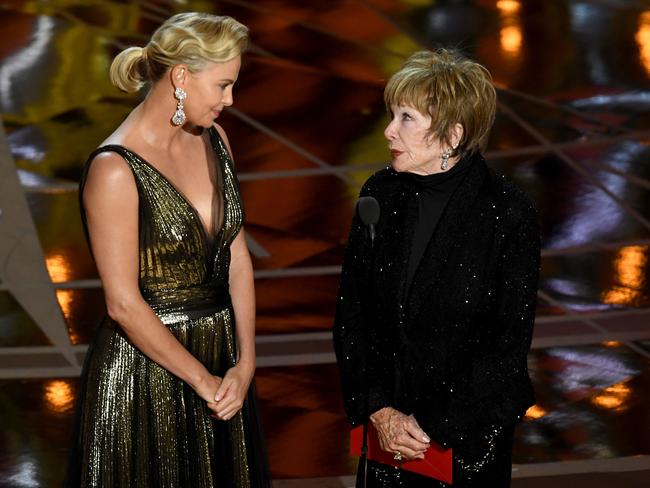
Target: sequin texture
[452, 348]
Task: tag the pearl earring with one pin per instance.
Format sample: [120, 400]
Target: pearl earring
[179, 115]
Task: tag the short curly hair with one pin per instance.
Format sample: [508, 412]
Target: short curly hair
[451, 89]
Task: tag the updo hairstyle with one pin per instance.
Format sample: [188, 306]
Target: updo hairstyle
[193, 39]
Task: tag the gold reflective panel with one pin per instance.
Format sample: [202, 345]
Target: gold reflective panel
[58, 267]
[65, 299]
[613, 397]
[510, 34]
[509, 6]
[59, 396]
[61, 271]
[629, 276]
[642, 38]
[535, 412]
[511, 39]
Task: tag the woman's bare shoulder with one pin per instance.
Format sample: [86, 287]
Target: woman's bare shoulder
[109, 166]
[109, 176]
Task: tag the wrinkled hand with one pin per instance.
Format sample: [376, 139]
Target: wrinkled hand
[232, 392]
[400, 433]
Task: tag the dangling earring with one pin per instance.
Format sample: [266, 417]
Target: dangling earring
[445, 160]
[179, 115]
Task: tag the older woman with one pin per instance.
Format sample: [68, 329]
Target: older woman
[434, 322]
[165, 396]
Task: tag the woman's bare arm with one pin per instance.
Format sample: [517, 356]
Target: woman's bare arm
[110, 199]
[234, 387]
[242, 290]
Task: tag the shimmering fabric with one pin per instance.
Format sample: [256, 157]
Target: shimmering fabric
[433, 192]
[138, 425]
[492, 470]
[452, 348]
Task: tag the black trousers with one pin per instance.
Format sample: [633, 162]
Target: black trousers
[471, 469]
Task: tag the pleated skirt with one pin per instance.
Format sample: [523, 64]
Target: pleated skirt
[137, 425]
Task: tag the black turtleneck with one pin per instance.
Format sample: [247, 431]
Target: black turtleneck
[433, 192]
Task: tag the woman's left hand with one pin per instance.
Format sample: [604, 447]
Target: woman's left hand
[400, 434]
[232, 392]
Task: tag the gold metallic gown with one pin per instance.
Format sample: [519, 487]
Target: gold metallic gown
[138, 425]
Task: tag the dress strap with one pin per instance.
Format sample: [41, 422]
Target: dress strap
[131, 159]
[128, 156]
[121, 150]
[219, 146]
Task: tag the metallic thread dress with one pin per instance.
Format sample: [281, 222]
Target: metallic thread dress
[137, 424]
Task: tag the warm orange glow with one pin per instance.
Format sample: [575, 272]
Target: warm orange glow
[58, 395]
[619, 296]
[613, 398]
[631, 262]
[64, 298]
[643, 40]
[535, 412]
[510, 36]
[508, 7]
[60, 271]
[630, 276]
[511, 39]
[611, 344]
[58, 268]
[74, 337]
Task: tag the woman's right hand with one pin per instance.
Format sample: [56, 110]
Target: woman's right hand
[400, 433]
[207, 388]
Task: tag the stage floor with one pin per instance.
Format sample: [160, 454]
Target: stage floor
[306, 129]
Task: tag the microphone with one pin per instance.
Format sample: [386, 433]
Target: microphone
[368, 211]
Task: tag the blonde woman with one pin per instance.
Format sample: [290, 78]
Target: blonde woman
[434, 321]
[165, 397]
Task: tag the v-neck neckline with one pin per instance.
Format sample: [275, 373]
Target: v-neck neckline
[209, 238]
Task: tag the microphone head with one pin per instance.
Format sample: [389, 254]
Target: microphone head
[368, 210]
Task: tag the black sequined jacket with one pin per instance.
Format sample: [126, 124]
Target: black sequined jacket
[451, 349]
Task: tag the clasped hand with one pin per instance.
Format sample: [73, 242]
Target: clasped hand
[225, 396]
[400, 433]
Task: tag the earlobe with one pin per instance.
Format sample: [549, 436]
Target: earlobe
[457, 133]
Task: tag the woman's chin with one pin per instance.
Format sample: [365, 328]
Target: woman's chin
[204, 123]
[400, 168]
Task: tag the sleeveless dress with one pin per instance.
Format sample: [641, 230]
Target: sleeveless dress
[137, 425]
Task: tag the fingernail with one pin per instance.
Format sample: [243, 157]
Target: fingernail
[426, 439]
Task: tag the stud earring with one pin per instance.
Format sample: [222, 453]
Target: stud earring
[179, 115]
[445, 160]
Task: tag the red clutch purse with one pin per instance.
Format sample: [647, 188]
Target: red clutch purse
[436, 464]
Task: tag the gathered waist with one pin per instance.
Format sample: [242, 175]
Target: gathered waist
[188, 303]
